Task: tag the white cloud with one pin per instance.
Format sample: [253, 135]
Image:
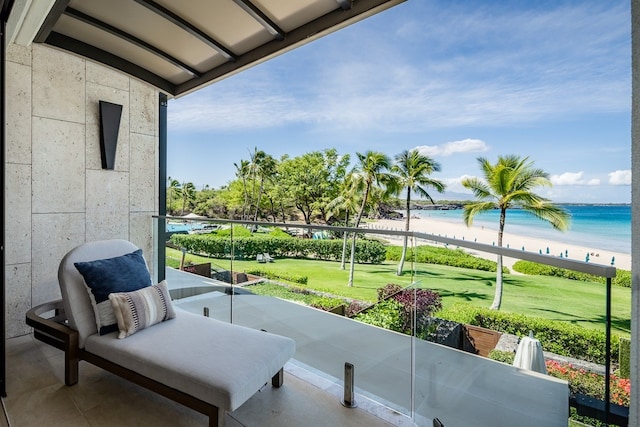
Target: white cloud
[454, 184]
[620, 177]
[448, 148]
[488, 72]
[573, 178]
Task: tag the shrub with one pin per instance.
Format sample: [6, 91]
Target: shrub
[592, 384]
[555, 336]
[367, 251]
[625, 357]
[502, 356]
[422, 302]
[325, 303]
[289, 277]
[238, 231]
[388, 290]
[623, 277]
[443, 256]
[354, 308]
[279, 233]
[300, 295]
[385, 314]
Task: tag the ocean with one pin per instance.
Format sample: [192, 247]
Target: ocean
[607, 227]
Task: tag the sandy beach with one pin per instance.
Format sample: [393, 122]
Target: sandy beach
[488, 236]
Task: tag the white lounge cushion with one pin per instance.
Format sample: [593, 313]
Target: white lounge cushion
[217, 362]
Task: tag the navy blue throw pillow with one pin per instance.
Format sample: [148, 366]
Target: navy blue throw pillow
[125, 273]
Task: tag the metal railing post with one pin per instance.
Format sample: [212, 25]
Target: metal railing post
[349, 399]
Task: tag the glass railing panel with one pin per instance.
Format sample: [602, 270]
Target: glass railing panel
[459, 387]
[414, 370]
[326, 341]
[192, 276]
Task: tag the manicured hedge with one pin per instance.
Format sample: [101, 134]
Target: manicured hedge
[443, 256]
[623, 277]
[557, 337]
[367, 251]
[625, 357]
[297, 294]
[289, 277]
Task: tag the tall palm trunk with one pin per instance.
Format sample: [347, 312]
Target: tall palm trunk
[497, 299]
[246, 198]
[406, 228]
[260, 191]
[344, 241]
[353, 241]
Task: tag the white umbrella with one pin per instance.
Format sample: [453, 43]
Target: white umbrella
[529, 355]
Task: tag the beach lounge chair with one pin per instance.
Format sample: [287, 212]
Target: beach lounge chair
[202, 363]
[267, 257]
[260, 258]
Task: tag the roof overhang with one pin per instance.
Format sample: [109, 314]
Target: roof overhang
[181, 46]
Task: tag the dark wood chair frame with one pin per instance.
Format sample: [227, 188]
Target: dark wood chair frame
[54, 331]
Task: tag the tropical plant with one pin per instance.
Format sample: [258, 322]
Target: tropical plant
[255, 161]
[187, 194]
[266, 169]
[410, 305]
[508, 184]
[347, 202]
[369, 172]
[411, 172]
[242, 172]
[173, 189]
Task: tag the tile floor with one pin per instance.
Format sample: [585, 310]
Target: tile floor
[37, 396]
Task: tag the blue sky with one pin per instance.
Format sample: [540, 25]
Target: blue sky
[458, 79]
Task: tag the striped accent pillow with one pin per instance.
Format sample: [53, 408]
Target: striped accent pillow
[140, 309]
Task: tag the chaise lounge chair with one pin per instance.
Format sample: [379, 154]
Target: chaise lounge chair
[205, 364]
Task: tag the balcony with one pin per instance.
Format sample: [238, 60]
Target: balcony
[415, 378]
[399, 379]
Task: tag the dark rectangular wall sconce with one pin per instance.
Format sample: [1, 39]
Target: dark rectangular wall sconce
[109, 126]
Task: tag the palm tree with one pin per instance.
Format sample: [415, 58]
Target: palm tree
[174, 188]
[242, 172]
[346, 201]
[188, 193]
[255, 162]
[266, 168]
[369, 171]
[509, 184]
[412, 170]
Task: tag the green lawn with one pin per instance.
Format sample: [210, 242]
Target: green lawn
[548, 297]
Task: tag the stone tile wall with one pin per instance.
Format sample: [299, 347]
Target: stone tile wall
[57, 194]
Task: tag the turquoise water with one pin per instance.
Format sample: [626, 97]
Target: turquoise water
[606, 227]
